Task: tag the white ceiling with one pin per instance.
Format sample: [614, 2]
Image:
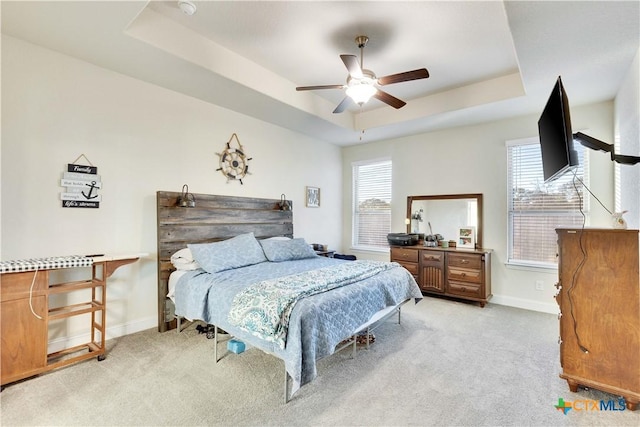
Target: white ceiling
[487, 59]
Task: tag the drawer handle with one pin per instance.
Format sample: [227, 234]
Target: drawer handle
[463, 275]
[464, 261]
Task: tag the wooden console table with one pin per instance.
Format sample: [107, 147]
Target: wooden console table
[25, 312]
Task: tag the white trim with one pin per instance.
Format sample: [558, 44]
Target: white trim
[521, 265]
[116, 331]
[551, 307]
[371, 249]
[369, 161]
[522, 141]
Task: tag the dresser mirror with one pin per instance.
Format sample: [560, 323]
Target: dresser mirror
[446, 214]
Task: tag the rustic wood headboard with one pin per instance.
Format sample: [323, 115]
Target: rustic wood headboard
[213, 218]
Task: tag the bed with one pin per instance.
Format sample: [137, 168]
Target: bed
[336, 302]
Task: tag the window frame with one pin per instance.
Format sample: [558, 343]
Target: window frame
[355, 244]
[583, 167]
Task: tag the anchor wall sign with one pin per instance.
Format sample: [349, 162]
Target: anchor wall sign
[81, 184]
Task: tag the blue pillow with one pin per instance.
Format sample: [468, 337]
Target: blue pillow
[287, 250]
[236, 252]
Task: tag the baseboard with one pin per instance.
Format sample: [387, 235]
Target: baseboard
[527, 304]
[116, 331]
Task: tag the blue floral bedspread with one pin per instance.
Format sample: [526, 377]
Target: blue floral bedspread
[264, 309]
[314, 328]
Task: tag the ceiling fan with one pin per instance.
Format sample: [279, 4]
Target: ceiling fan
[363, 84]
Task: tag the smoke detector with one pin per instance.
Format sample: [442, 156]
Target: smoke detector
[187, 7]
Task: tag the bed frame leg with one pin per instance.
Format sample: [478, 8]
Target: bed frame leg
[399, 312]
[355, 346]
[286, 386]
[215, 343]
[368, 335]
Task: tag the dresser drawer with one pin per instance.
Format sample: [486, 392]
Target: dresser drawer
[402, 254]
[410, 266]
[432, 257]
[18, 285]
[464, 275]
[473, 261]
[465, 289]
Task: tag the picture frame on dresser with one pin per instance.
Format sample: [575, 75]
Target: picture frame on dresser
[466, 238]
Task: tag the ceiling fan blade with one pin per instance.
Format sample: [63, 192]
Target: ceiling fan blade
[389, 99]
[320, 87]
[353, 66]
[421, 73]
[346, 102]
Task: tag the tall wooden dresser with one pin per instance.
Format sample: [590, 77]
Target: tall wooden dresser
[599, 299]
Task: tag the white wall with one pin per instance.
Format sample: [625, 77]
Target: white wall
[627, 107]
[142, 138]
[472, 159]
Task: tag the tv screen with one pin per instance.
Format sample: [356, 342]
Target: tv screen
[556, 136]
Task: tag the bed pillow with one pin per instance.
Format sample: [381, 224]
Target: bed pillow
[183, 260]
[236, 252]
[287, 250]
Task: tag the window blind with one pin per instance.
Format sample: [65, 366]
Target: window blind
[536, 209]
[372, 204]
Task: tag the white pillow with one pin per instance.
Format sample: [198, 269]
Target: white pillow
[183, 260]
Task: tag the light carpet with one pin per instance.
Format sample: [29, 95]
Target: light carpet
[447, 363]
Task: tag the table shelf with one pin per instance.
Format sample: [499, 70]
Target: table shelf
[66, 287]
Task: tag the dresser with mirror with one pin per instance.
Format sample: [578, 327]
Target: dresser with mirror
[446, 260]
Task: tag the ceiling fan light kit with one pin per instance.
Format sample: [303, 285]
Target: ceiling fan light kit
[362, 84]
[361, 90]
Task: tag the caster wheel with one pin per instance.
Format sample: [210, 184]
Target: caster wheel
[101, 357]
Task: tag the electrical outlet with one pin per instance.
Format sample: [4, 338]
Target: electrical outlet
[539, 285]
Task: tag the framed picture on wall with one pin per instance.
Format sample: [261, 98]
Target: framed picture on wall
[313, 197]
[466, 238]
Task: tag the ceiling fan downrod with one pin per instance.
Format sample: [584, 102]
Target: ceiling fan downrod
[362, 41]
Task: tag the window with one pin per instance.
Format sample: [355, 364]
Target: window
[537, 209]
[371, 204]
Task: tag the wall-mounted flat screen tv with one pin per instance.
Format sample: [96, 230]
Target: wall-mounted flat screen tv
[556, 137]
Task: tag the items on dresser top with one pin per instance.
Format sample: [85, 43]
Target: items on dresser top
[402, 239]
[445, 216]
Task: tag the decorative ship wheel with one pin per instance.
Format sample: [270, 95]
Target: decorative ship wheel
[234, 163]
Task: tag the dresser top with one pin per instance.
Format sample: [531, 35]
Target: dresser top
[441, 249]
